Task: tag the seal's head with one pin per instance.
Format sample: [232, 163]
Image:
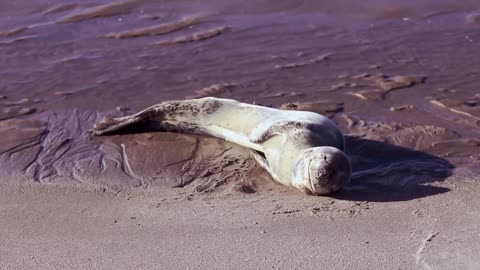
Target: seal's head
[322, 170]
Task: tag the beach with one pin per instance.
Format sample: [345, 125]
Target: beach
[398, 77]
[56, 228]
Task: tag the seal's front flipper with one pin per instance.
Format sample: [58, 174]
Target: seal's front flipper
[261, 160]
[112, 124]
[268, 130]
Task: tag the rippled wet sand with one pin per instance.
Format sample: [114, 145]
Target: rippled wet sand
[399, 79]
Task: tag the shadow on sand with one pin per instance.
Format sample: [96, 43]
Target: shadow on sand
[384, 172]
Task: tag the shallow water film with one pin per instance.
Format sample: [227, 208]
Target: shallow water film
[400, 78]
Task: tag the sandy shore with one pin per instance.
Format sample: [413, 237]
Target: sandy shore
[51, 227]
[400, 78]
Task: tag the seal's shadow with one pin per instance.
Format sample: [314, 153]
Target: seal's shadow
[385, 172]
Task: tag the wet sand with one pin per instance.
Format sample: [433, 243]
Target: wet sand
[398, 77]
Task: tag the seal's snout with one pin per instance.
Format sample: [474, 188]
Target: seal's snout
[328, 170]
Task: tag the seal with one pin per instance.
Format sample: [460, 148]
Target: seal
[298, 148]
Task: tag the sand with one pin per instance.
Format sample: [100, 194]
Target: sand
[47, 227]
[398, 77]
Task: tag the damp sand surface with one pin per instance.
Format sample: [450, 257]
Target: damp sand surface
[398, 77]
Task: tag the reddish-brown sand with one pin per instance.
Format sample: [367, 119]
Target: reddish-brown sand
[398, 77]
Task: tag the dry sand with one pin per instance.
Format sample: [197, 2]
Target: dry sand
[399, 77]
[51, 227]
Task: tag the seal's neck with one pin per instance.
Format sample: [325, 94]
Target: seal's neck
[300, 174]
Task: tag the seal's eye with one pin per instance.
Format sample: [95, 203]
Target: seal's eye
[320, 167]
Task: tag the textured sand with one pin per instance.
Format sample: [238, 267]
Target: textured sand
[399, 77]
[44, 227]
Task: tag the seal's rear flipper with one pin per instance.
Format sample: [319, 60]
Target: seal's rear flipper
[110, 125]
